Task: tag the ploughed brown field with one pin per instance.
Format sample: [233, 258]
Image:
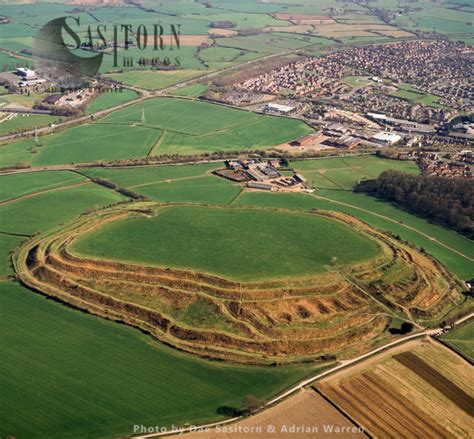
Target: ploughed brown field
[437, 380]
[424, 390]
[304, 415]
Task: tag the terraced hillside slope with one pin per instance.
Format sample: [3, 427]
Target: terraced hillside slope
[345, 306]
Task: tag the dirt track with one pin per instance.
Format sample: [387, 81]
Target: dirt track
[394, 221]
[305, 409]
[23, 197]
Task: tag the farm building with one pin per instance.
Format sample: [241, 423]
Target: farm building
[255, 175]
[301, 179]
[308, 140]
[31, 82]
[26, 73]
[261, 186]
[52, 99]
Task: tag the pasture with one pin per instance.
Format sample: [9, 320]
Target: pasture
[111, 99]
[183, 183]
[268, 43]
[134, 178]
[155, 80]
[108, 377]
[67, 374]
[410, 93]
[203, 239]
[216, 57]
[25, 183]
[450, 248]
[195, 90]
[7, 245]
[23, 100]
[202, 190]
[93, 142]
[21, 122]
[46, 210]
[461, 339]
[182, 116]
[199, 274]
[171, 126]
[344, 173]
[82, 144]
[194, 127]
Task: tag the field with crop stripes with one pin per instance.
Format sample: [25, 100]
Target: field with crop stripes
[423, 390]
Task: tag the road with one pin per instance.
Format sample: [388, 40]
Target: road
[343, 364]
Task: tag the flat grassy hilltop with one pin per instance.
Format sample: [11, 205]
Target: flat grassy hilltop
[243, 244]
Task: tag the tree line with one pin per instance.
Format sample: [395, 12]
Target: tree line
[447, 201]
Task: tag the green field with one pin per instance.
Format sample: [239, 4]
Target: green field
[182, 116]
[452, 249]
[220, 241]
[271, 42]
[148, 175]
[46, 210]
[344, 173]
[410, 93]
[24, 100]
[356, 81]
[190, 127]
[7, 244]
[26, 183]
[196, 127]
[195, 90]
[183, 183]
[155, 80]
[206, 190]
[67, 374]
[335, 179]
[111, 99]
[216, 57]
[85, 143]
[25, 122]
[461, 339]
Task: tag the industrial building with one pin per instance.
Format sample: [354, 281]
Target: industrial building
[279, 109]
[386, 139]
